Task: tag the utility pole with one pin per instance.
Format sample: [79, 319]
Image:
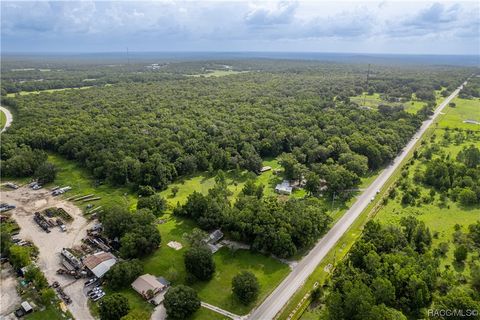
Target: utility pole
[128, 57]
[333, 199]
[365, 93]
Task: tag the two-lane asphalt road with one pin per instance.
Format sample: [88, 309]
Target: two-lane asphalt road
[282, 294]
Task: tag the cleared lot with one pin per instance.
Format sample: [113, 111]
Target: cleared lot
[50, 244]
[9, 298]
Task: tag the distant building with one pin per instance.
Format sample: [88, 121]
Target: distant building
[151, 287]
[266, 168]
[99, 263]
[284, 188]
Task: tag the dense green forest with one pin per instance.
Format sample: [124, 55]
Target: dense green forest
[152, 132]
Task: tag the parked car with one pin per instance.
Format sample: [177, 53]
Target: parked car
[100, 296]
[91, 281]
[96, 289]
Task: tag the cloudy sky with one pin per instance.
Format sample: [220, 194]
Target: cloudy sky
[445, 27]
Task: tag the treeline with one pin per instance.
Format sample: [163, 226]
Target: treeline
[390, 273]
[471, 89]
[267, 224]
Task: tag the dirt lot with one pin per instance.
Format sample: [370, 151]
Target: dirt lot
[50, 244]
[9, 298]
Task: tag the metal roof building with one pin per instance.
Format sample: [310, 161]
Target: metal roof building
[99, 263]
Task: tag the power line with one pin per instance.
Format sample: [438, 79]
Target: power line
[365, 93]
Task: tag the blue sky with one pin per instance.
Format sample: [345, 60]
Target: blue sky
[416, 27]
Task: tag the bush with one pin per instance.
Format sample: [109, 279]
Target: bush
[156, 203]
[113, 307]
[199, 262]
[467, 197]
[245, 287]
[123, 274]
[46, 173]
[461, 253]
[19, 256]
[180, 302]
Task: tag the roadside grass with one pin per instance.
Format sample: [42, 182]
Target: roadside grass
[207, 314]
[3, 119]
[24, 93]
[82, 183]
[464, 110]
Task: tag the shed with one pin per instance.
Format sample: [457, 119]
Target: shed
[266, 168]
[284, 187]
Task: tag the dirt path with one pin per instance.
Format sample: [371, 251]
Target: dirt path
[9, 297]
[50, 244]
[8, 116]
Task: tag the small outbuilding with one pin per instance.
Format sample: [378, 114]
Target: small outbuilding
[99, 263]
[266, 168]
[284, 188]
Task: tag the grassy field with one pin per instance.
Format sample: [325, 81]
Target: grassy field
[441, 219]
[3, 119]
[235, 180]
[169, 262]
[216, 73]
[82, 183]
[321, 273]
[464, 109]
[50, 313]
[24, 93]
[374, 100]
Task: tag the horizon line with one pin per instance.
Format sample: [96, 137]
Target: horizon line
[232, 52]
